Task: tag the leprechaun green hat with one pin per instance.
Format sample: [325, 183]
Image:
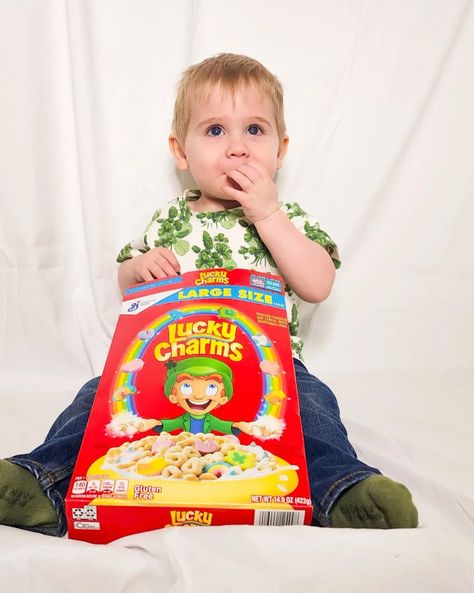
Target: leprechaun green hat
[199, 366]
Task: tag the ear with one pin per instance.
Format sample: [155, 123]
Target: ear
[173, 399]
[178, 152]
[223, 400]
[282, 150]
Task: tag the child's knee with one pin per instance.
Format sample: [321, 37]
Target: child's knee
[88, 390]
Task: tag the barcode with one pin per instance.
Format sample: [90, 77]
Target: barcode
[279, 518]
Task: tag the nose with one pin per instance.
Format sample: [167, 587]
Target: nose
[199, 392]
[237, 147]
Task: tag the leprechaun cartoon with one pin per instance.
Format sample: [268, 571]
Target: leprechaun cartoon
[199, 385]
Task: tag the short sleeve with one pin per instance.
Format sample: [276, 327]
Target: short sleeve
[139, 245]
[309, 226]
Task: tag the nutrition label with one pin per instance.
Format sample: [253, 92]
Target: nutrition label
[101, 487]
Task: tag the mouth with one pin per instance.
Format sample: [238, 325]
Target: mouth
[198, 405]
[233, 184]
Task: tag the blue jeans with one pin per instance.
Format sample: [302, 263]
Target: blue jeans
[332, 462]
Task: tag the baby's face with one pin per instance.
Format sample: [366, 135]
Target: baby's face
[226, 131]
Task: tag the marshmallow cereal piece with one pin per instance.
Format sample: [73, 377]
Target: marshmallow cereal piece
[226, 313]
[151, 466]
[270, 367]
[132, 366]
[123, 392]
[146, 334]
[244, 460]
[275, 397]
[207, 446]
[161, 443]
[217, 469]
[261, 340]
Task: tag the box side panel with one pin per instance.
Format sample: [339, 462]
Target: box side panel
[103, 524]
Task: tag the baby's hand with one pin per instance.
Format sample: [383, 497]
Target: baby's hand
[157, 263]
[258, 194]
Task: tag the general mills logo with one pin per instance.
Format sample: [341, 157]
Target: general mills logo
[133, 307]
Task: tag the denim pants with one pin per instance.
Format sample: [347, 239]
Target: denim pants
[332, 462]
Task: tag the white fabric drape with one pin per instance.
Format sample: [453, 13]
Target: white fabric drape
[379, 111]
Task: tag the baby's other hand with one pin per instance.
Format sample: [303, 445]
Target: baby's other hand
[157, 263]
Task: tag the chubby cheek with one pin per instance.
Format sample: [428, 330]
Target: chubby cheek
[205, 167]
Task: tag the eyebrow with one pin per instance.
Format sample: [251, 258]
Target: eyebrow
[220, 118]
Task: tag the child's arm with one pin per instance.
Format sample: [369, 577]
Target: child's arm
[159, 262]
[304, 264]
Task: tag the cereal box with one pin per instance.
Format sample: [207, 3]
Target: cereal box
[196, 418]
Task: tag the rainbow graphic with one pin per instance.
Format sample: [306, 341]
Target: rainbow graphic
[273, 393]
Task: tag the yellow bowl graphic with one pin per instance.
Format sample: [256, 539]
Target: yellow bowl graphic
[151, 491]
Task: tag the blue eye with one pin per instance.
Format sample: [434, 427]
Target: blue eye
[214, 131]
[254, 130]
[186, 389]
[211, 389]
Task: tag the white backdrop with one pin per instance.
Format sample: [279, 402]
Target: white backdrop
[379, 99]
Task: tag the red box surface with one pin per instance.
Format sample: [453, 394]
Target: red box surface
[196, 418]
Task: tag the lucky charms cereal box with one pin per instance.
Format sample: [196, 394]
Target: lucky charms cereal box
[196, 418]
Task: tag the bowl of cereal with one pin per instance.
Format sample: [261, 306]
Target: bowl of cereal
[194, 468]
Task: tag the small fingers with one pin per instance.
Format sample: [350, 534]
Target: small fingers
[242, 180]
[161, 269]
[166, 267]
[170, 259]
[156, 271]
[157, 263]
[254, 172]
[146, 275]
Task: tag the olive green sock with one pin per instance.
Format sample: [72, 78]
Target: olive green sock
[22, 501]
[375, 503]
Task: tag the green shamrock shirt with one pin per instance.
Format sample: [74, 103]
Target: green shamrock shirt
[224, 239]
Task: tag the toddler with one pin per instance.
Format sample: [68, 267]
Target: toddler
[229, 132]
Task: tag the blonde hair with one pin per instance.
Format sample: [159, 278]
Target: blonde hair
[231, 72]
